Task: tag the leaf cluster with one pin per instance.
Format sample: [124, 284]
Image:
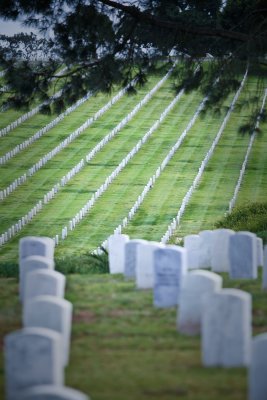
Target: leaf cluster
[105, 43]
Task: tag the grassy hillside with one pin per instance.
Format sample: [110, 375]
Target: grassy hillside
[208, 203]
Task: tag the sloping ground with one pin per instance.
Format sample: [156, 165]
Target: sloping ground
[208, 203]
[123, 348]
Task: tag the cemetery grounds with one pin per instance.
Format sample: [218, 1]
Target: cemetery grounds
[122, 347]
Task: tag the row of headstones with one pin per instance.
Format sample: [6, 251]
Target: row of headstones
[222, 316]
[32, 170]
[13, 186]
[176, 221]
[6, 236]
[243, 168]
[77, 168]
[43, 130]
[238, 253]
[50, 195]
[125, 120]
[26, 116]
[152, 180]
[36, 355]
[76, 133]
[84, 210]
[15, 228]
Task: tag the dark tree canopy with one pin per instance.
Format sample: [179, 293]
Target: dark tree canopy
[106, 42]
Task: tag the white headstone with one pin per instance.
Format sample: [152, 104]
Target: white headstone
[191, 244]
[258, 368]
[205, 244]
[226, 328]
[52, 392]
[264, 272]
[32, 357]
[36, 246]
[30, 264]
[145, 264]
[243, 256]
[116, 252]
[130, 257]
[220, 250]
[52, 313]
[259, 251]
[170, 268]
[195, 285]
[44, 282]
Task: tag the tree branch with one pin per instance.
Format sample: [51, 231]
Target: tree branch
[174, 26]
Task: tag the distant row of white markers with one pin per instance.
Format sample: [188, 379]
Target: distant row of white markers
[36, 355]
[33, 111]
[23, 145]
[244, 165]
[64, 143]
[179, 278]
[28, 115]
[175, 222]
[12, 231]
[47, 157]
[15, 228]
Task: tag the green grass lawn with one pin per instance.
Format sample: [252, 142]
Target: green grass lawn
[124, 348]
[208, 203]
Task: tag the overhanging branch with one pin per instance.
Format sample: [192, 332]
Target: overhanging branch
[174, 26]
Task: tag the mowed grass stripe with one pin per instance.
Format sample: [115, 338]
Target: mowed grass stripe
[24, 160]
[254, 185]
[210, 201]
[78, 194]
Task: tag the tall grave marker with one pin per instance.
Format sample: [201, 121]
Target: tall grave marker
[170, 268]
[243, 256]
[145, 264]
[116, 253]
[226, 328]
